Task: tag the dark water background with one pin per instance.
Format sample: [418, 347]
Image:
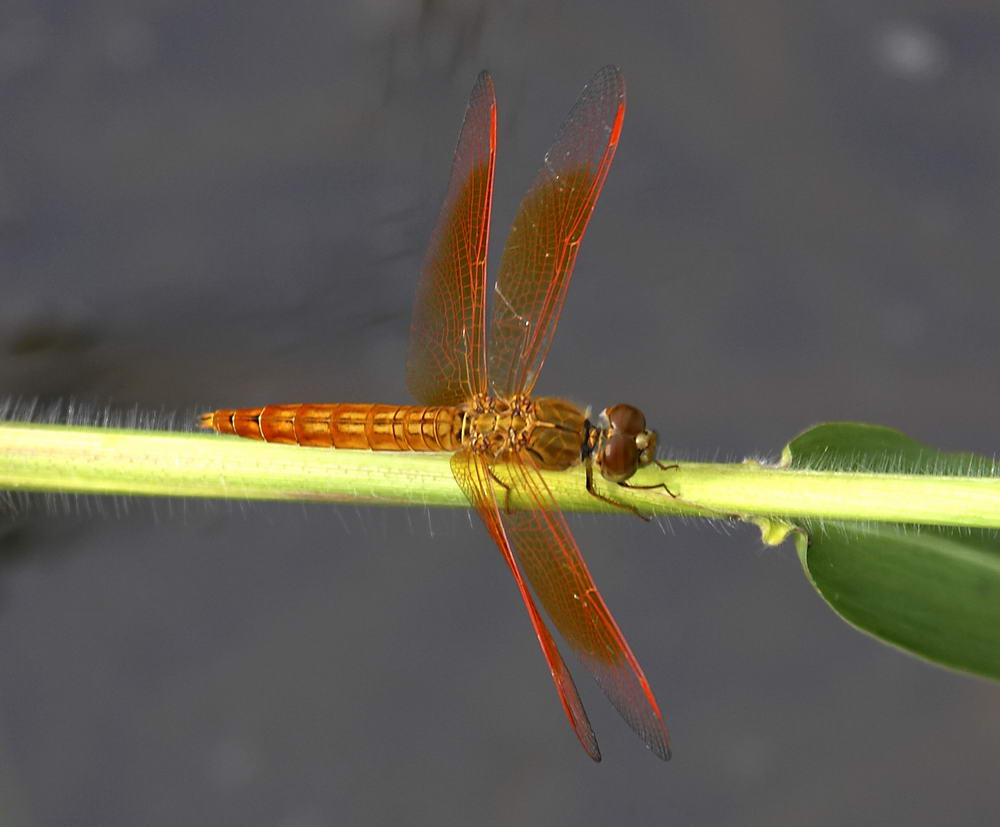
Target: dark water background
[216, 204]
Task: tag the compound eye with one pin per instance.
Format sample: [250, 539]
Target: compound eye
[619, 458]
[626, 419]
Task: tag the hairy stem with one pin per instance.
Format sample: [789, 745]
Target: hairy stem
[89, 460]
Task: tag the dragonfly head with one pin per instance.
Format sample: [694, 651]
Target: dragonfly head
[626, 444]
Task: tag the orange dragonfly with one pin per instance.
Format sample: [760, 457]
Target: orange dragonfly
[478, 403]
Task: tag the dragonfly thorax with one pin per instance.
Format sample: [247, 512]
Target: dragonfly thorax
[552, 431]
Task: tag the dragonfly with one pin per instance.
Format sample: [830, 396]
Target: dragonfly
[477, 403]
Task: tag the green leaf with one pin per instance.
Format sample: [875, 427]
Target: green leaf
[932, 591]
[852, 446]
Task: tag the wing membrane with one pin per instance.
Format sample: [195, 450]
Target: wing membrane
[447, 366]
[447, 360]
[541, 250]
[473, 475]
[559, 577]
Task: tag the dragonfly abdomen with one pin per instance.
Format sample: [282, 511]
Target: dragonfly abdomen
[348, 426]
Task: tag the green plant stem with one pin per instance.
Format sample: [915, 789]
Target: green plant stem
[56, 458]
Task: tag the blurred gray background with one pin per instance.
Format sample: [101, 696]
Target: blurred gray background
[208, 205]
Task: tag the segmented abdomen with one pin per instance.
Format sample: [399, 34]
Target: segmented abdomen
[351, 426]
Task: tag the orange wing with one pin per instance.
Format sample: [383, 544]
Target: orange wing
[447, 361]
[560, 578]
[473, 475]
[538, 260]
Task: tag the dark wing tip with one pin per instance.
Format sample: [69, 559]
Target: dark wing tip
[483, 85]
[654, 735]
[610, 76]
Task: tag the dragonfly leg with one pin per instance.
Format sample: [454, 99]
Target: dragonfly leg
[595, 493]
[710, 511]
[505, 486]
[662, 485]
